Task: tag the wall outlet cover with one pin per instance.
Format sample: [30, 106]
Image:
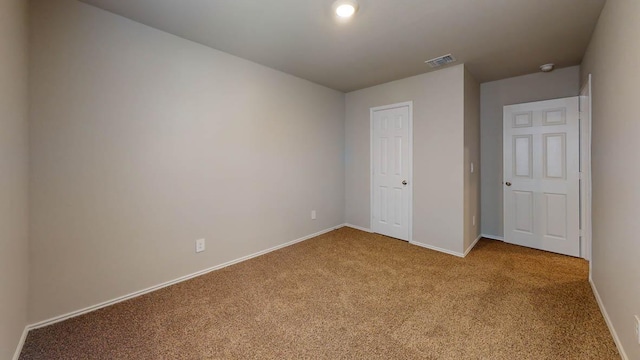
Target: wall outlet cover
[200, 245]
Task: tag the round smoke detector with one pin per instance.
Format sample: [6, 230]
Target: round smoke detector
[547, 67]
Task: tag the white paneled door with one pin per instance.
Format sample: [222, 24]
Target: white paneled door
[541, 175]
[391, 170]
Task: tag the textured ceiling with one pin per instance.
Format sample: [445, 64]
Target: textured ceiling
[386, 40]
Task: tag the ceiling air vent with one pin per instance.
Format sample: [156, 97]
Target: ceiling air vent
[441, 60]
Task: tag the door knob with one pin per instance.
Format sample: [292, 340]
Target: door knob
[404, 182]
[508, 183]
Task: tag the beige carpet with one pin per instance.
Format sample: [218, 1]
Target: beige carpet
[353, 295]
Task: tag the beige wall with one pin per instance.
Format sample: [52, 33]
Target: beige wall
[612, 58]
[494, 95]
[471, 155]
[438, 110]
[13, 174]
[143, 142]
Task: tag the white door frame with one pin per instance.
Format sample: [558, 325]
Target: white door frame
[410, 156]
[585, 171]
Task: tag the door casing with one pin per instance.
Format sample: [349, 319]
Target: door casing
[585, 171]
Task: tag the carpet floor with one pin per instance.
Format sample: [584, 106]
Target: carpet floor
[353, 295]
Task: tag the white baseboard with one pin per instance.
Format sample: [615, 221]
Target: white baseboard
[431, 247]
[358, 228]
[446, 251]
[607, 319]
[132, 295]
[466, 252]
[493, 237]
[16, 355]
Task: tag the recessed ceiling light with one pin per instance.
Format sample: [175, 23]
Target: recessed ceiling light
[345, 8]
[547, 67]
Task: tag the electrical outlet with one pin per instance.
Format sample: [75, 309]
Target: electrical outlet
[313, 214]
[638, 329]
[199, 245]
[473, 220]
[472, 168]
